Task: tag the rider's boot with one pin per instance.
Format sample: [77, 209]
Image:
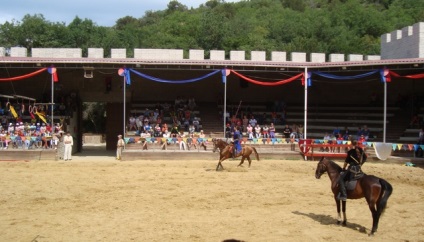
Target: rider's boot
[342, 193]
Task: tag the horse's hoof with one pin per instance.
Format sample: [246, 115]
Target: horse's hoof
[344, 223]
[339, 222]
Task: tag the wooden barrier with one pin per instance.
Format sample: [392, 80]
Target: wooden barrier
[334, 150]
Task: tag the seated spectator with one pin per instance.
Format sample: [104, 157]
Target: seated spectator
[202, 139]
[191, 103]
[272, 131]
[3, 143]
[186, 124]
[159, 120]
[147, 128]
[181, 141]
[132, 124]
[228, 131]
[366, 132]
[258, 131]
[287, 131]
[145, 134]
[300, 131]
[54, 141]
[253, 121]
[294, 133]
[332, 140]
[164, 142]
[265, 131]
[157, 131]
[196, 124]
[336, 131]
[164, 128]
[191, 142]
[245, 122]
[326, 139]
[250, 131]
[362, 139]
[191, 129]
[139, 122]
[346, 133]
[359, 132]
[174, 131]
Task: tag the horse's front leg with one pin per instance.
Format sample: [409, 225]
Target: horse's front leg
[339, 217]
[344, 213]
[221, 159]
[250, 160]
[242, 161]
[219, 165]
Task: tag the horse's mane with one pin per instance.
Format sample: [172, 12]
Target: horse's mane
[334, 165]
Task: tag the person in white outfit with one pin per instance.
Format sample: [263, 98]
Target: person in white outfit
[68, 142]
[119, 147]
[183, 145]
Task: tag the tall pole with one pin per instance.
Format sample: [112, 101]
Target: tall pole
[52, 104]
[385, 112]
[124, 99]
[305, 125]
[225, 102]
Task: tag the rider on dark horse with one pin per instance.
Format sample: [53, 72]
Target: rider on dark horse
[236, 141]
[355, 158]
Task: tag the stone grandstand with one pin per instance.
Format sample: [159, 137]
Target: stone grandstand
[321, 120]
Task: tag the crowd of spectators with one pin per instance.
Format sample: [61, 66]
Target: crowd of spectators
[30, 135]
[184, 126]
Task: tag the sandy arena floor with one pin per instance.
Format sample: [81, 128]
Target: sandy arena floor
[100, 199]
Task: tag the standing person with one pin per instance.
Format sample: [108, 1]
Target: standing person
[119, 147]
[69, 142]
[236, 142]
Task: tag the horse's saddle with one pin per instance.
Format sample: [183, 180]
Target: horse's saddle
[355, 173]
[350, 185]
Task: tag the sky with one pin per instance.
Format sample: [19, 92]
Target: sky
[102, 12]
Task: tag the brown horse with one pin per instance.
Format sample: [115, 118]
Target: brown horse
[225, 152]
[375, 190]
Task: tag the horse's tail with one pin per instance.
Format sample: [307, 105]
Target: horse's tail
[386, 191]
[256, 153]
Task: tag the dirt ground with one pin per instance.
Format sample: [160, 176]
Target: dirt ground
[100, 199]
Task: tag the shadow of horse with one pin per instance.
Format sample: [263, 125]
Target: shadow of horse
[328, 220]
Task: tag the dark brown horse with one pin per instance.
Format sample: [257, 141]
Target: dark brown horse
[375, 190]
[225, 152]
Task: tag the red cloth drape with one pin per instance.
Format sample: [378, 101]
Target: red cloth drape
[416, 76]
[17, 78]
[281, 82]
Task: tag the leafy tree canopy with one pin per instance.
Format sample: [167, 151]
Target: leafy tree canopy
[323, 26]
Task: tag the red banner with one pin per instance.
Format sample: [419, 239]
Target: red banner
[17, 78]
[281, 82]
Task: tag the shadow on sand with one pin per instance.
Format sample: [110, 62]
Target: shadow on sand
[328, 220]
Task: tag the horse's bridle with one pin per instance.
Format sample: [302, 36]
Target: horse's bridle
[322, 168]
[214, 140]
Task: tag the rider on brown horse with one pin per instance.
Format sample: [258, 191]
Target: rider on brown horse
[355, 158]
[236, 142]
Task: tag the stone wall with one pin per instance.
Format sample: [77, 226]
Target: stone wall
[405, 43]
[178, 54]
